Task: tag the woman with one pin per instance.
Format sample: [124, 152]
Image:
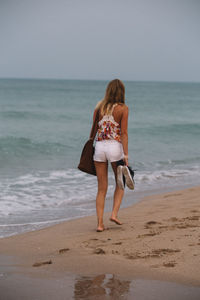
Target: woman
[111, 145]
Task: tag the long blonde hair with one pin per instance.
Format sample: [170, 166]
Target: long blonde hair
[115, 93]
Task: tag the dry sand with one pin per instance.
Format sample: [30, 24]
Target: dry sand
[159, 239]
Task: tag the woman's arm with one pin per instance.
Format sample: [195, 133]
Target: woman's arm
[124, 133]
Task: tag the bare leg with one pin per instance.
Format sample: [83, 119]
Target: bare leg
[102, 177]
[118, 195]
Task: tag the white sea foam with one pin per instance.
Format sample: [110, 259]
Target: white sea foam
[63, 188]
[46, 189]
[158, 178]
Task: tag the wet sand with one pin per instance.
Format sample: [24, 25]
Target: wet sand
[103, 286]
[158, 246]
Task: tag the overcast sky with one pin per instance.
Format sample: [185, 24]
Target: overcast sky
[100, 39]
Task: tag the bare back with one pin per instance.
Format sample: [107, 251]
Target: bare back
[118, 112]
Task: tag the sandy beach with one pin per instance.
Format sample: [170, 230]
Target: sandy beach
[159, 240]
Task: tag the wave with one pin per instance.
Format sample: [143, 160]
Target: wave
[23, 115]
[37, 115]
[179, 162]
[25, 146]
[161, 178]
[193, 128]
[42, 190]
[185, 128]
[61, 189]
[37, 200]
[168, 164]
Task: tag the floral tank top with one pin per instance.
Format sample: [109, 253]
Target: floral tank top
[109, 129]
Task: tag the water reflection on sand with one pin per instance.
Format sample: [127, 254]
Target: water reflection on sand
[113, 287]
[17, 282]
[105, 286]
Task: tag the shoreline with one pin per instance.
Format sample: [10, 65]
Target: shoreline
[130, 198]
[159, 240]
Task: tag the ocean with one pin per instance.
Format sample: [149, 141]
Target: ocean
[44, 125]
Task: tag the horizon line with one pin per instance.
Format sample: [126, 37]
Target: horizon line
[81, 79]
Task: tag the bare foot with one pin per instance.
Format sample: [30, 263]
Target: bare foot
[116, 221]
[100, 228]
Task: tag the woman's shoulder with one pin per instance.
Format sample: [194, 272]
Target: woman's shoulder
[98, 105]
[122, 107]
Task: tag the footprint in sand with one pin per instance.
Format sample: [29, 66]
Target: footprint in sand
[165, 251]
[63, 250]
[152, 223]
[194, 211]
[154, 253]
[99, 251]
[149, 224]
[185, 225]
[115, 252]
[38, 264]
[193, 218]
[173, 219]
[117, 243]
[93, 243]
[172, 195]
[147, 234]
[169, 264]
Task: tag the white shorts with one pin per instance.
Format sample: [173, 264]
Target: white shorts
[110, 150]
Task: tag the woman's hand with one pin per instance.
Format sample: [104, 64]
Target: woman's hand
[126, 160]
